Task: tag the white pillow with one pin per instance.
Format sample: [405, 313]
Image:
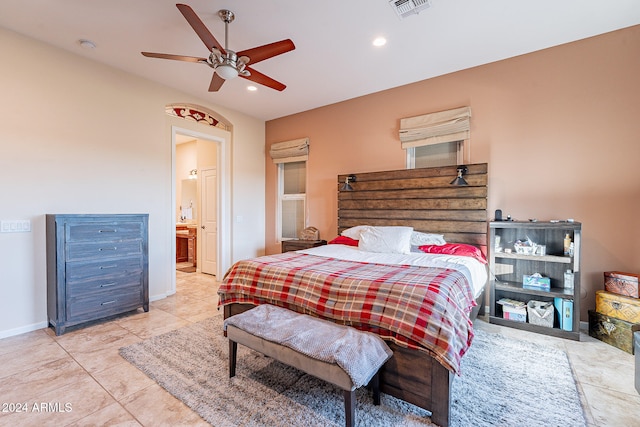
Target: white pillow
[354, 232]
[418, 239]
[395, 240]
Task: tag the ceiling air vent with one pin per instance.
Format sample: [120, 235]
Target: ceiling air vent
[405, 8]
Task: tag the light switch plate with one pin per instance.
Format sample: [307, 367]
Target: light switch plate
[15, 226]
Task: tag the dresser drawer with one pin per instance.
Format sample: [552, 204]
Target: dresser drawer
[105, 269]
[103, 304]
[103, 231]
[101, 250]
[119, 283]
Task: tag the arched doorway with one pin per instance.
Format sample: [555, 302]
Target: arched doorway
[211, 136]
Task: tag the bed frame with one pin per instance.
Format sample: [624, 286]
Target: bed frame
[425, 200]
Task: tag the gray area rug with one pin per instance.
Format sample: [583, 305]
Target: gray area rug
[504, 382]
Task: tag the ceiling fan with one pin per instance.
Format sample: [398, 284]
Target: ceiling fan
[226, 63]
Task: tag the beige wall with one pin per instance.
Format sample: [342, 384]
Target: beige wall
[559, 129]
[80, 137]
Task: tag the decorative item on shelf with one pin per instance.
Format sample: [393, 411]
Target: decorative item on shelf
[526, 247]
[193, 174]
[459, 180]
[567, 244]
[347, 186]
[536, 281]
[309, 233]
[497, 246]
[568, 280]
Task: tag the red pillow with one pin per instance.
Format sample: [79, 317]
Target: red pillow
[459, 249]
[344, 240]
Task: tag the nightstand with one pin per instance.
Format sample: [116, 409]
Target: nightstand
[296, 244]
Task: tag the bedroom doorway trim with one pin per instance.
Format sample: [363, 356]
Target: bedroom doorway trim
[218, 132]
[223, 235]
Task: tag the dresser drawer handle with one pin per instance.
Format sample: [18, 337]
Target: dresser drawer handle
[616, 305]
[104, 267]
[107, 231]
[107, 285]
[108, 249]
[108, 302]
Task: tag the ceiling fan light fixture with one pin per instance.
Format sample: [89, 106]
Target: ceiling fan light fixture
[226, 71]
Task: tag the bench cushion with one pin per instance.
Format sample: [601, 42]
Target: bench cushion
[329, 372]
[359, 354]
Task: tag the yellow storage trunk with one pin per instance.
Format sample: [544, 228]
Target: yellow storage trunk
[618, 306]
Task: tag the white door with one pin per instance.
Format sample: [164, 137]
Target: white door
[209, 224]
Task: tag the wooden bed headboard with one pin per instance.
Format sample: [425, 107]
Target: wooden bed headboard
[421, 198]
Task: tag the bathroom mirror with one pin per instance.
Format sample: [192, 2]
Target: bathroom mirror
[188, 200]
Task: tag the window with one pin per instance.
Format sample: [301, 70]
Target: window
[436, 139]
[291, 158]
[435, 155]
[292, 183]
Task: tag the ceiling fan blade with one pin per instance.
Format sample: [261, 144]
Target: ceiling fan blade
[174, 57]
[198, 26]
[267, 51]
[216, 83]
[262, 79]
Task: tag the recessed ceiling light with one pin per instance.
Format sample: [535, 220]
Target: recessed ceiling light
[87, 44]
[379, 41]
[252, 88]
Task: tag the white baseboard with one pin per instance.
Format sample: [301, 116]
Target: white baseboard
[23, 329]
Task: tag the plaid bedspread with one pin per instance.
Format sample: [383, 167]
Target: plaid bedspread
[416, 307]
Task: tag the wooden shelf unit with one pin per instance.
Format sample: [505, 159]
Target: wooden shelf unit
[507, 270]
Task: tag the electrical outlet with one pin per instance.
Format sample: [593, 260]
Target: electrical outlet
[15, 226]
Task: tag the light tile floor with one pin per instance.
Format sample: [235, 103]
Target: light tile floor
[79, 379]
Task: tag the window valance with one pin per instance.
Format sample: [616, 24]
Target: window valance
[296, 150]
[435, 128]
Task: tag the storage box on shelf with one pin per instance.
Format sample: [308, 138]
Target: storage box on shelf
[510, 263]
[513, 310]
[541, 313]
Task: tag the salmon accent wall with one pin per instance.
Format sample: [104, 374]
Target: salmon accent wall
[559, 128]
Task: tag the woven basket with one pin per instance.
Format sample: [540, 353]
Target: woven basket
[540, 313]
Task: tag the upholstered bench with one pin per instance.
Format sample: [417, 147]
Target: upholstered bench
[338, 354]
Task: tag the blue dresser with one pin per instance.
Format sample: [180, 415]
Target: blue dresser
[97, 267]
